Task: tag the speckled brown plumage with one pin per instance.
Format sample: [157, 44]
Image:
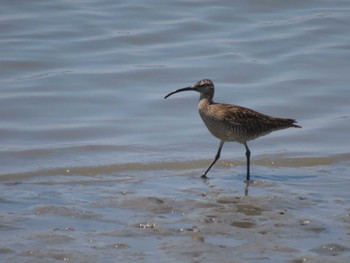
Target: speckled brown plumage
[233, 123]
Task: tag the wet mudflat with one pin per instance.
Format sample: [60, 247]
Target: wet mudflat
[171, 215]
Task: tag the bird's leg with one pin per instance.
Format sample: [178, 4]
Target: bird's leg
[217, 156]
[247, 154]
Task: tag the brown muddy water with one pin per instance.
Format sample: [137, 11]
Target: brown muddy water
[95, 166]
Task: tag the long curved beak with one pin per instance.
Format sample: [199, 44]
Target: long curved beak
[178, 90]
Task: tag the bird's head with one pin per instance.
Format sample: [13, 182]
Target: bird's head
[204, 86]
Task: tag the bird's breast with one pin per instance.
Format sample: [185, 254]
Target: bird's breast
[216, 123]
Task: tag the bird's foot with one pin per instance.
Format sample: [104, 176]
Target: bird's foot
[204, 176]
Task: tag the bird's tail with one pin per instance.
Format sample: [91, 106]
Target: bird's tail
[293, 123]
[281, 123]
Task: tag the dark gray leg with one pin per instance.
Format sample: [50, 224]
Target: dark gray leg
[247, 154]
[217, 156]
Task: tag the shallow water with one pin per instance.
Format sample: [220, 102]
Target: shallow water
[97, 167]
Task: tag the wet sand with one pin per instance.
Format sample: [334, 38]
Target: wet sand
[171, 215]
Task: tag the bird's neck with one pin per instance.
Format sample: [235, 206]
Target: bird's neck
[206, 97]
[204, 103]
